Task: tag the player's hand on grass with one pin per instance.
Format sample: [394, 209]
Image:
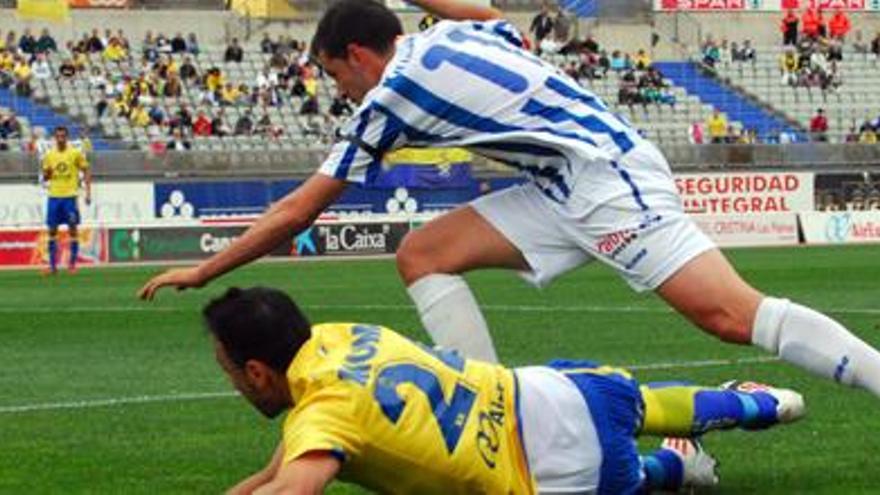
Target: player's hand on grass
[181, 278]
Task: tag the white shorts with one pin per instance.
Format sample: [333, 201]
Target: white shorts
[626, 214]
[569, 442]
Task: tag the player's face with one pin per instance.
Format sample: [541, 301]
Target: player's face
[61, 138]
[356, 74]
[256, 390]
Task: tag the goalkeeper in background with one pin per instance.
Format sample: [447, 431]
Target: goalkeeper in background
[61, 166]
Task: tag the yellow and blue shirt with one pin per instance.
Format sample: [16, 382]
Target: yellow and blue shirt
[65, 167]
[403, 418]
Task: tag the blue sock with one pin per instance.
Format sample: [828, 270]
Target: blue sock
[724, 409]
[53, 253]
[663, 471]
[74, 252]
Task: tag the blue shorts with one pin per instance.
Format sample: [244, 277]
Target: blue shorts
[617, 409]
[62, 211]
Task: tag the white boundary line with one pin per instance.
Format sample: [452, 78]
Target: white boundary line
[191, 397]
[145, 307]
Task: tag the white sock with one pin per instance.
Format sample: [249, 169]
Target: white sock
[817, 343]
[452, 317]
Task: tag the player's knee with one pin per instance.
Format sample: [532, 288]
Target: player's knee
[414, 259]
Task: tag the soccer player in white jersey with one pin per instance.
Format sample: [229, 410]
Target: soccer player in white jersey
[597, 190]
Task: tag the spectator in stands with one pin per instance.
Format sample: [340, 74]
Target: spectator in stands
[266, 79]
[852, 136]
[173, 87]
[245, 125]
[192, 45]
[628, 93]
[875, 45]
[340, 107]
[46, 43]
[819, 126]
[93, 43]
[717, 126]
[711, 53]
[120, 107]
[267, 46]
[139, 117]
[229, 95]
[234, 52]
[219, 127]
[724, 53]
[23, 74]
[41, 68]
[813, 23]
[178, 43]
[839, 25]
[542, 25]
[617, 61]
[188, 71]
[11, 41]
[695, 133]
[214, 80]
[265, 128]
[97, 79]
[178, 142]
[789, 66]
[27, 44]
[642, 61]
[67, 70]
[156, 113]
[101, 107]
[744, 53]
[115, 52]
[123, 40]
[163, 45]
[10, 128]
[789, 28]
[202, 125]
[427, 22]
[868, 136]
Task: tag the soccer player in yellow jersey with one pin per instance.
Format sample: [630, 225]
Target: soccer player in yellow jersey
[62, 166]
[367, 405]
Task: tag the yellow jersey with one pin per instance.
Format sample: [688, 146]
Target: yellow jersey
[65, 167]
[403, 418]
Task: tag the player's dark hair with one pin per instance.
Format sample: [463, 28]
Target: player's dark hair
[363, 22]
[258, 323]
[61, 128]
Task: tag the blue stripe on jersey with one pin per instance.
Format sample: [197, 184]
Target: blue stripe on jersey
[592, 123]
[503, 29]
[637, 195]
[350, 152]
[444, 110]
[484, 69]
[559, 87]
[459, 36]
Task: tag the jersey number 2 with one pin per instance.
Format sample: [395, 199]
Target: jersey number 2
[451, 416]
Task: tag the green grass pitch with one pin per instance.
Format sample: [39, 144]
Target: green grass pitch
[73, 340]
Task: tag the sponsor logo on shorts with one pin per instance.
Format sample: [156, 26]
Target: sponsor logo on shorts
[613, 244]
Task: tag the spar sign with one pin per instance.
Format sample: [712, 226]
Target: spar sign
[748, 192]
[762, 5]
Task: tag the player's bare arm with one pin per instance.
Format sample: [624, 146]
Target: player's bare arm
[291, 215]
[457, 10]
[261, 477]
[308, 475]
[87, 184]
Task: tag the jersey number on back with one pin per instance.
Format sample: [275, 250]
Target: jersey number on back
[451, 416]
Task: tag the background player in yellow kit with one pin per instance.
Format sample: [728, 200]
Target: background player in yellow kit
[61, 166]
[369, 406]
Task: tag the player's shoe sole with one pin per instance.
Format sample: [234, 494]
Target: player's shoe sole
[700, 467]
[790, 405]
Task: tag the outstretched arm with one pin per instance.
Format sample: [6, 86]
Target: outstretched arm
[260, 478]
[308, 475]
[458, 10]
[290, 216]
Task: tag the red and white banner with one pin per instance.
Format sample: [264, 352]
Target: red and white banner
[30, 247]
[99, 4]
[773, 229]
[841, 227]
[763, 5]
[748, 192]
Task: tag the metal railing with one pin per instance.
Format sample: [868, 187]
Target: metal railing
[18, 166]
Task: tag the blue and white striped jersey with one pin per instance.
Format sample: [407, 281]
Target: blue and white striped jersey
[471, 85]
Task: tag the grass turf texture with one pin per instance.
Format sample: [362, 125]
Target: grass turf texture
[104, 344]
